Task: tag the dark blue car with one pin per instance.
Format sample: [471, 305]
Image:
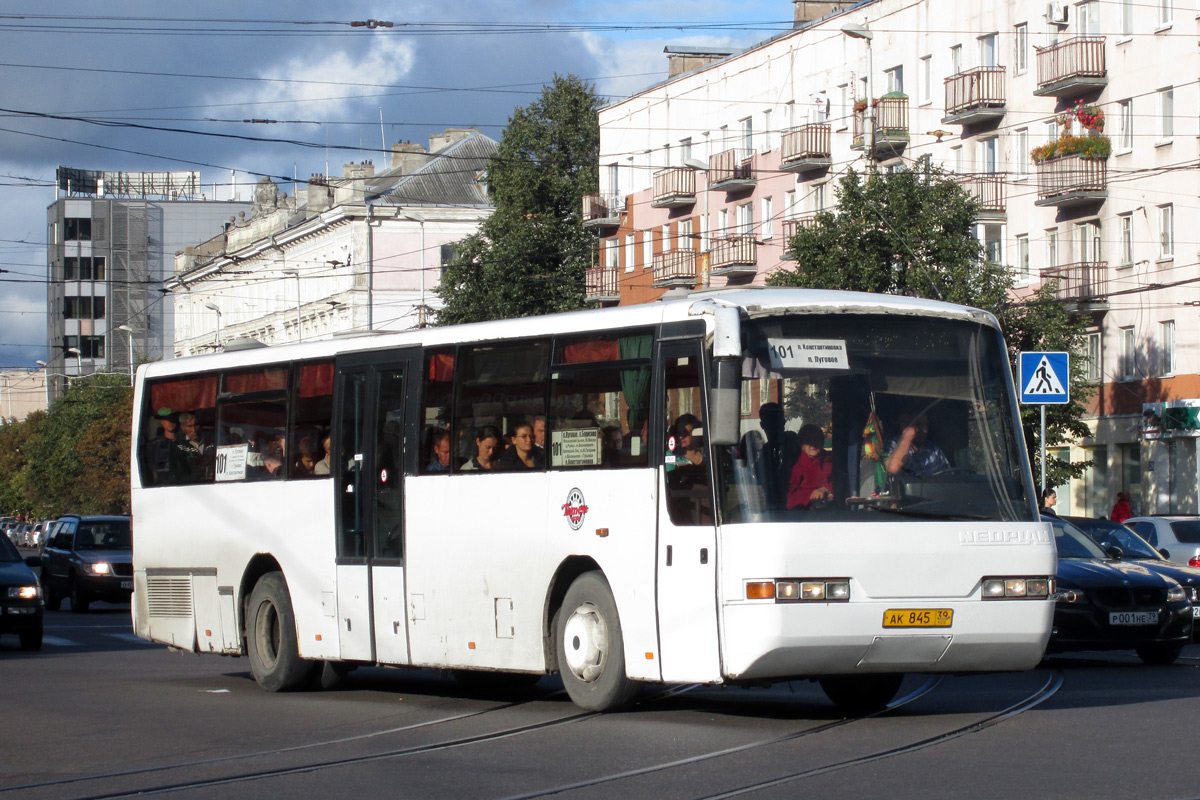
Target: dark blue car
[21, 607]
[1114, 604]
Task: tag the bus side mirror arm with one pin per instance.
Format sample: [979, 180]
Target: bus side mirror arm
[725, 401]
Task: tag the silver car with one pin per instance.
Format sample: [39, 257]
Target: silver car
[1176, 537]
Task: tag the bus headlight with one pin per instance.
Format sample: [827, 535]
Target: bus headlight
[1017, 588]
[800, 590]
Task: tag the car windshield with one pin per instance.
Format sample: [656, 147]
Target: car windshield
[104, 535]
[8, 553]
[1072, 542]
[826, 399]
[1186, 531]
[1114, 534]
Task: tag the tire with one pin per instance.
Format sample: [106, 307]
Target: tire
[1159, 654]
[79, 599]
[857, 695]
[31, 640]
[495, 684]
[590, 647]
[271, 637]
[330, 675]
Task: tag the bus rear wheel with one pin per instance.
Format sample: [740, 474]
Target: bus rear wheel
[861, 694]
[271, 637]
[591, 649]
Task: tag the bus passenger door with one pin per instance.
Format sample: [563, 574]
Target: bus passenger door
[687, 569]
[369, 481]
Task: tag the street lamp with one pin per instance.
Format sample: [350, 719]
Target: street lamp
[856, 31]
[78, 360]
[702, 166]
[129, 331]
[295, 273]
[211, 306]
[409, 215]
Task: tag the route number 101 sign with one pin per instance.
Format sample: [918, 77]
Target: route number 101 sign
[808, 354]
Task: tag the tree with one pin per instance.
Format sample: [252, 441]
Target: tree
[910, 233]
[530, 255]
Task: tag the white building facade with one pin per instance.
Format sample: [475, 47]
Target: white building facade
[706, 175]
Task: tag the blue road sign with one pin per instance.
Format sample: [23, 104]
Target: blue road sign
[1045, 378]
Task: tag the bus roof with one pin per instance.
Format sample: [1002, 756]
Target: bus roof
[754, 302]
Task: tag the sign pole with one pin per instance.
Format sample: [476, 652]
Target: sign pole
[1043, 443]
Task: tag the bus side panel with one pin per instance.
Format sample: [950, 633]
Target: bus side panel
[179, 531]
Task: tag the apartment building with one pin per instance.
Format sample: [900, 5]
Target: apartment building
[1075, 124]
[358, 253]
[112, 240]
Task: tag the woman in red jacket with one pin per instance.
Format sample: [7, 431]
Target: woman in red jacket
[812, 477]
[1122, 510]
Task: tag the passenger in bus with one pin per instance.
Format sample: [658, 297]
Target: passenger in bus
[688, 444]
[191, 457]
[812, 477]
[522, 454]
[160, 446]
[322, 466]
[612, 443]
[913, 452]
[780, 452]
[487, 441]
[306, 460]
[539, 433]
[439, 451]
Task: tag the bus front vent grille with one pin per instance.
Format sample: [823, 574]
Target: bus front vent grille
[169, 597]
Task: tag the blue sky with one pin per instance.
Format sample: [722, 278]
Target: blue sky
[447, 64]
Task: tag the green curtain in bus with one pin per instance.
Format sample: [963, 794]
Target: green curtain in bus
[635, 383]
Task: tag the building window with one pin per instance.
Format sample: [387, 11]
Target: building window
[630, 251]
[77, 229]
[768, 141]
[83, 307]
[992, 237]
[818, 193]
[895, 79]
[612, 254]
[1020, 48]
[1166, 114]
[723, 223]
[789, 205]
[1165, 13]
[1126, 18]
[1093, 357]
[1124, 125]
[647, 249]
[1166, 348]
[1125, 221]
[1166, 231]
[768, 217]
[1022, 245]
[1021, 161]
[988, 155]
[685, 151]
[746, 134]
[666, 237]
[925, 80]
[684, 241]
[956, 159]
[956, 62]
[88, 346]
[1088, 23]
[83, 268]
[1128, 353]
[844, 106]
[1052, 248]
[745, 219]
[987, 50]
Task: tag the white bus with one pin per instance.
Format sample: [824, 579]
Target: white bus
[742, 486]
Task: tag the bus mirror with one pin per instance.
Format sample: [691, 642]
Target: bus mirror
[725, 401]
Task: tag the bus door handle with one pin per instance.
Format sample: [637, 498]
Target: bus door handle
[668, 555]
[703, 555]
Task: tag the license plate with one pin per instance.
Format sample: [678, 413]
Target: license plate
[126, 584]
[1195, 612]
[1133, 617]
[918, 617]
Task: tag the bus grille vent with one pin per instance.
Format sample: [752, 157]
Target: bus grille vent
[169, 597]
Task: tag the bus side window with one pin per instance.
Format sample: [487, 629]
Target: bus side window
[689, 499]
[312, 414]
[172, 403]
[592, 420]
[498, 386]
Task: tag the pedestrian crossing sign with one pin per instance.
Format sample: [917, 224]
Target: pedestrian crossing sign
[1044, 378]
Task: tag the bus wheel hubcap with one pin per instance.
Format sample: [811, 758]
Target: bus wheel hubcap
[586, 642]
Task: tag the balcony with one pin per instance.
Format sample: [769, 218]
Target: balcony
[805, 148]
[1072, 180]
[733, 170]
[891, 126]
[675, 268]
[733, 256]
[988, 189]
[602, 211]
[674, 187]
[602, 285]
[791, 227]
[1083, 286]
[976, 95]
[1071, 67]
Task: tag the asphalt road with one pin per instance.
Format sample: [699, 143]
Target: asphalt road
[100, 713]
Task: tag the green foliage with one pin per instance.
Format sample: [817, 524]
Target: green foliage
[74, 458]
[529, 257]
[910, 233]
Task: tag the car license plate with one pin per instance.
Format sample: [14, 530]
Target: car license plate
[1195, 612]
[1133, 618]
[918, 617]
[126, 584]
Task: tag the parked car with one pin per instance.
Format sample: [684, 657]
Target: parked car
[22, 610]
[1178, 537]
[1104, 603]
[1122, 543]
[88, 558]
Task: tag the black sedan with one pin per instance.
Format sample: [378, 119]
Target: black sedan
[1109, 604]
[1120, 541]
[21, 607]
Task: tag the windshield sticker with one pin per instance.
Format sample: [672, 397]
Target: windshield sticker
[231, 462]
[575, 509]
[808, 354]
[578, 447]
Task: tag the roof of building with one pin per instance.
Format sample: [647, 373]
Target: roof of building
[449, 178]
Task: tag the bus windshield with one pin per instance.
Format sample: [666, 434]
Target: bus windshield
[881, 418]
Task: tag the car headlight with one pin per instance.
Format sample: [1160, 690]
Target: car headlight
[1069, 594]
[100, 568]
[1176, 594]
[25, 592]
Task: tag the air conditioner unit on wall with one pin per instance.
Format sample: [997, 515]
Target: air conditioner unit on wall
[1056, 12]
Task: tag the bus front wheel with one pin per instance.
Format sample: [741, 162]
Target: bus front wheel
[271, 637]
[591, 649]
